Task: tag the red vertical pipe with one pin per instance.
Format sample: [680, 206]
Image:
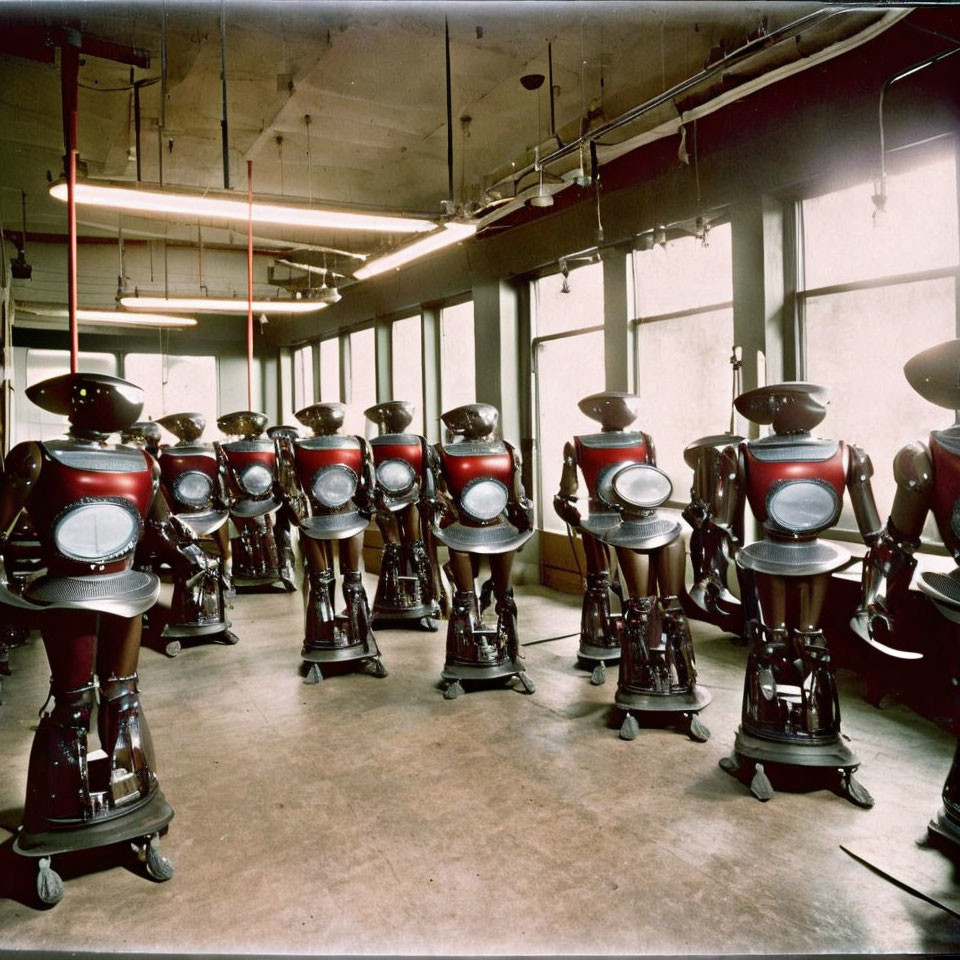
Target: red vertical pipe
[249, 284]
[72, 244]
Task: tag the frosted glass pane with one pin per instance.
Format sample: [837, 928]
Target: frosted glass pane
[567, 371]
[30, 367]
[684, 274]
[558, 312]
[407, 339]
[685, 386]
[175, 385]
[458, 374]
[330, 370]
[363, 381]
[857, 344]
[843, 241]
[302, 377]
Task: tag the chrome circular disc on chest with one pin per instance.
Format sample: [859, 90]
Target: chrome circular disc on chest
[193, 488]
[641, 486]
[803, 506]
[605, 480]
[97, 530]
[334, 486]
[484, 499]
[256, 479]
[396, 476]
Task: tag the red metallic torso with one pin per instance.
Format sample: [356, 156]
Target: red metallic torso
[398, 447]
[594, 459]
[174, 462]
[59, 486]
[761, 476]
[265, 453]
[495, 463]
[946, 493]
[309, 459]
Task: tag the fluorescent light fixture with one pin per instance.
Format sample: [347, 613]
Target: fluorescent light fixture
[113, 317]
[223, 205]
[214, 305]
[451, 233]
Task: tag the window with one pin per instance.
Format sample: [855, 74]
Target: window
[363, 380]
[302, 377]
[876, 291]
[568, 365]
[330, 370]
[174, 384]
[458, 372]
[30, 367]
[683, 341]
[407, 366]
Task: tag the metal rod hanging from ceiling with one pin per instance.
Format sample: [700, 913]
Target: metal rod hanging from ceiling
[163, 91]
[250, 285]
[553, 115]
[224, 129]
[72, 245]
[446, 35]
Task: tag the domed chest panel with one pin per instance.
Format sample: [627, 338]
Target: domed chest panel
[465, 462]
[945, 452]
[189, 475]
[599, 455]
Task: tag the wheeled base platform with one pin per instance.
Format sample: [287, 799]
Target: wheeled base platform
[455, 674]
[945, 832]
[686, 706]
[368, 655]
[262, 583]
[424, 615]
[217, 632]
[751, 754]
[143, 825]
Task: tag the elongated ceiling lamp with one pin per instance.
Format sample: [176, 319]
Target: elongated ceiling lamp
[222, 205]
[449, 234]
[219, 305]
[112, 317]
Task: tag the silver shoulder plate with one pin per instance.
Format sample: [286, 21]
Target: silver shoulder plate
[97, 459]
[395, 438]
[328, 443]
[792, 449]
[467, 449]
[948, 439]
[249, 446]
[608, 440]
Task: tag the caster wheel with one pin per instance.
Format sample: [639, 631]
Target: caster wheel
[527, 683]
[452, 690]
[630, 728]
[854, 791]
[696, 730]
[599, 675]
[429, 624]
[288, 584]
[760, 785]
[159, 868]
[49, 885]
[730, 764]
[376, 669]
[229, 638]
[313, 674]
[173, 648]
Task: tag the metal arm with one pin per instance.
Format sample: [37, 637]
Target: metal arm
[520, 509]
[565, 500]
[859, 472]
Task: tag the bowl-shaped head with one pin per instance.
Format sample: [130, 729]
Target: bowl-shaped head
[935, 374]
[322, 418]
[791, 407]
[472, 421]
[186, 427]
[94, 403]
[143, 433]
[612, 409]
[394, 416]
[242, 423]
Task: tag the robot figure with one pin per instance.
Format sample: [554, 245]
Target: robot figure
[253, 484]
[331, 491]
[928, 479]
[195, 489]
[409, 584]
[794, 483]
[284, 520]
[658, 673]
[89, 503]
[480, 510]
[600, 457]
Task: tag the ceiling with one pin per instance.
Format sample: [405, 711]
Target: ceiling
[370, 76]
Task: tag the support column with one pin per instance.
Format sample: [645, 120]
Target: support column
[618, 311]
[430, 364]
[497, 334]
[383, 346]
[758, 290]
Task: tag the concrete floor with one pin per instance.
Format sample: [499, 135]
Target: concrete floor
[371, 816]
